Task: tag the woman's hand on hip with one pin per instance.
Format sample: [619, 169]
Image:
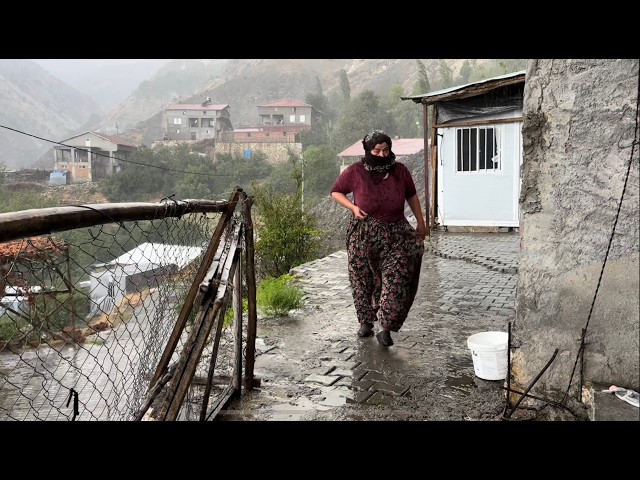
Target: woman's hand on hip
[359, 214]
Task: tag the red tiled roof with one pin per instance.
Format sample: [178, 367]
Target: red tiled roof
[400, 146]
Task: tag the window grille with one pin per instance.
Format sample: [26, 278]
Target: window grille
[478, 149]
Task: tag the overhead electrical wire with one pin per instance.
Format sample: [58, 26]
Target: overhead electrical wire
[120, 159]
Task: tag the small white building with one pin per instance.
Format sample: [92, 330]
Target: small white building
[136, 270]
[475, 164]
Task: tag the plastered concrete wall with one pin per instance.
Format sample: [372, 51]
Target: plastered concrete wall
[580, 121]
[276, 152]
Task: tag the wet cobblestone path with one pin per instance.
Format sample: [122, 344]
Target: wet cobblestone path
[313, 366]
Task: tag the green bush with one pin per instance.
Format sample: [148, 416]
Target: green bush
[276, 297]
[286, 235]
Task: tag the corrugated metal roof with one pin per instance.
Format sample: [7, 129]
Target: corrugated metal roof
[400, 146]
[470, 88]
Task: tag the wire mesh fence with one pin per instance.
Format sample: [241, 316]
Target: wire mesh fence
[89, 313]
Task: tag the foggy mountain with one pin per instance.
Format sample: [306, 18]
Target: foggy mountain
[244, 84]
[33, 101]
[108, 84]
[172, 82]
[39, 104]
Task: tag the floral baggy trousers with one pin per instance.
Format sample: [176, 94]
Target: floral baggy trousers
[384, 261]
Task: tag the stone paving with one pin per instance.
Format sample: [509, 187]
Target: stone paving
[467, 292]
[314, 367]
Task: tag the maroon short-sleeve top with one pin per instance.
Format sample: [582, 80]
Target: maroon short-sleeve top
[384, 201]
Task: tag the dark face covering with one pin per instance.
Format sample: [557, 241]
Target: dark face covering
[377, 166]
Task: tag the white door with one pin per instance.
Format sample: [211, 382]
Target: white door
[479, 175]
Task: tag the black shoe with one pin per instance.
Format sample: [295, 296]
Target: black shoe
[366, 330]
[384, 338]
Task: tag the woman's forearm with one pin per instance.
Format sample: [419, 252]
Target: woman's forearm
[414, 204]
[342, 199]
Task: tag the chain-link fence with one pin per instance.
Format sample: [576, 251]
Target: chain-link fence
[96, 318]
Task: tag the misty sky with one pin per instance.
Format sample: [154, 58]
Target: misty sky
[72, 70]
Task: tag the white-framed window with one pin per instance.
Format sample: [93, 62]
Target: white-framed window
[292, 119]
[177, 121]
[478, 149]
[303, 118]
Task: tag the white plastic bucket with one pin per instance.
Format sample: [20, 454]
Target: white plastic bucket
[489, 353]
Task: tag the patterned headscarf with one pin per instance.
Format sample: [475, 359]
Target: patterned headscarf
[372, 139]
[378, 166]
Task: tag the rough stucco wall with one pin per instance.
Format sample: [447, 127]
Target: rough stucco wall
[580, 119]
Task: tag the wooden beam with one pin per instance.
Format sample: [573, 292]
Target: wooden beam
[187, 306]
[43, 221]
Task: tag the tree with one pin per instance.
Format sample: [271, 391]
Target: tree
[422, 85]
[147, 175]
[345, 87]
[320, 171]
[362, 115]
[320, 132]
[406, 114]
[233, 169]
[193, 186]
[465, 72]
[446, 74]
[286, 235]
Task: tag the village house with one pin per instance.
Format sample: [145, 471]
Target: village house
[88, 157]
[204, 121]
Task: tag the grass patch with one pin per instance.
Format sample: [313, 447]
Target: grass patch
[276, 297]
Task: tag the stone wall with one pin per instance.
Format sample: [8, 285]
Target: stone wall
[276, 152]
[580, 124]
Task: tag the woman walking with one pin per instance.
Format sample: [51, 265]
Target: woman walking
[384, 252]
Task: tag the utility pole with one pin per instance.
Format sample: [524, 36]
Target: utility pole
[302, 184]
